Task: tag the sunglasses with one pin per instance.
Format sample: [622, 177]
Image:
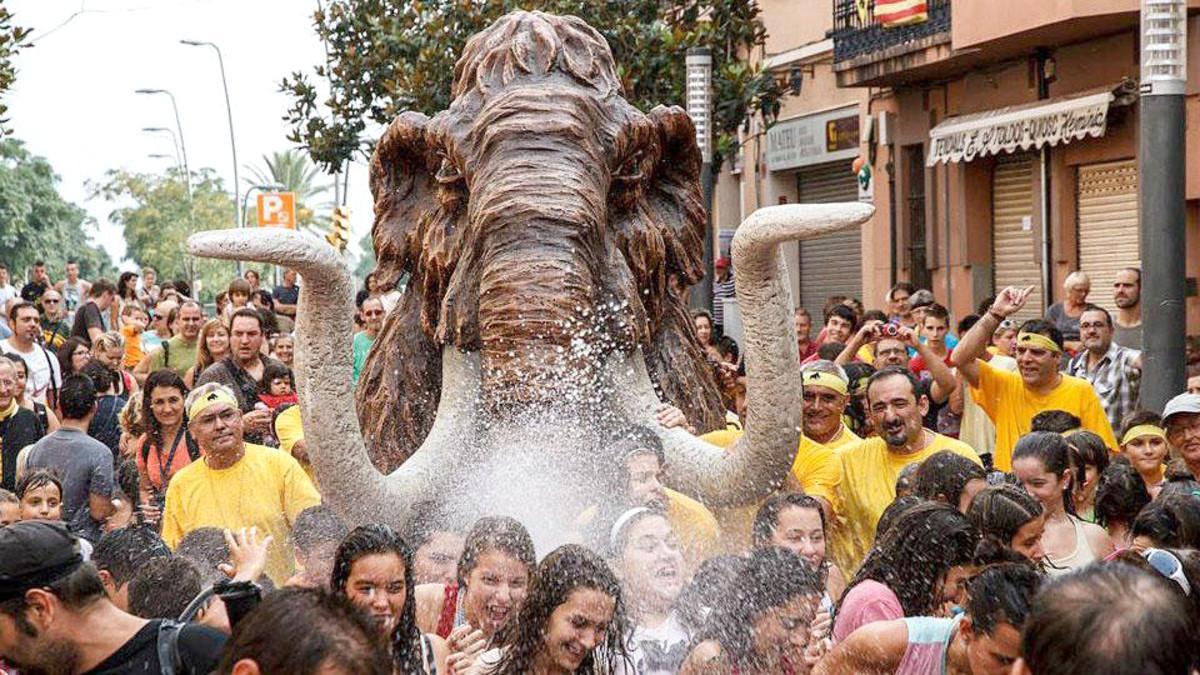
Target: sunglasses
[1166, 564]
[49, 302]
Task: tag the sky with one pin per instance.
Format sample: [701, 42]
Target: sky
[74, 102]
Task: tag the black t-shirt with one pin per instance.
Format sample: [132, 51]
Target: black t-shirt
[88, 316]
[32, 291]
[16, 432]
[288, 296]
[199, 652]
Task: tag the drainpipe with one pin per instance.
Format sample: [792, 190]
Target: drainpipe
[892, 234]
[946, 208]
[1043, 90]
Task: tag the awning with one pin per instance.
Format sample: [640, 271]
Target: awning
[964, 137]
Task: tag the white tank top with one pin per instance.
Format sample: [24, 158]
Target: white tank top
[1080, 557]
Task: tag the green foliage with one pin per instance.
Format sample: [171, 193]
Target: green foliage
[387, 56]
[36, 223]
[12, 38]
[293, 170]
[158, 217]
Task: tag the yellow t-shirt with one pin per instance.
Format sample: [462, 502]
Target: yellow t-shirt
[1011, 406]
[869, 472]
[695, 526]
[265, 489]
[289, 430]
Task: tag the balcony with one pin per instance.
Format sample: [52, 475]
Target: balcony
[865, 53]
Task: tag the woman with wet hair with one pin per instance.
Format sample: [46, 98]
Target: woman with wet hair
[1012, 518]
[373, 568]
[494, 571]
[764, 626]
[796, 521]
[1170, 522]
[915, 568]
[1089, 458]
[1120, 496]
[1041, 462]
[949, 478]
[573, 621]
[646, 555]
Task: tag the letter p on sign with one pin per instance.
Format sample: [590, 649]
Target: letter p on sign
[277, 209]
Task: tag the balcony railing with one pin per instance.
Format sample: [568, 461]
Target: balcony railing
[856, 35]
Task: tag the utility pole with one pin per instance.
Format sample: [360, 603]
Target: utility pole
[1162, 210]
[699, 108]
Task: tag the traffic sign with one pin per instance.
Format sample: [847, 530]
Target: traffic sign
[277, 209]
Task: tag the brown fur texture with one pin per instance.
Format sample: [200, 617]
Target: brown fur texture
[538, 218]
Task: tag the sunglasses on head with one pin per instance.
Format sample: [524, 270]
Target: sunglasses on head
[1168, 565]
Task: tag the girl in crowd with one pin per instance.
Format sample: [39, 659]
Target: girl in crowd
[73, 355]
[108, 351]
[795, 521]
[373, 568]
[1170, 522]
[914, 569]
[1144, 442]
[1120, 496]
[572, 622]
[763, 627]
[167, 446]
[985, 640]
[703, 321]
[283, 349]
[212, 345]
[493, 578]
[1011, 518]
[1089, 458]
[949, 478]
[649, 562]
[126, 293]
[45, 415]
[40, 493]
[1041, 463]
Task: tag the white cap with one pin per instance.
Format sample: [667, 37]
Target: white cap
[1183, 403]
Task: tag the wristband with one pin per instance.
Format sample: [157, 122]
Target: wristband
[997, 317]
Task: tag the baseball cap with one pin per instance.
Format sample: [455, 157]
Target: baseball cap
[1183, 403]
[35, 553]
[722, 262]
[921, 298]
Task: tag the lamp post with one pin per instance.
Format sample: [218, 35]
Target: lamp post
[699, 108]
[179, 127]
[179, 161]
[1162, 210]
[237, 213]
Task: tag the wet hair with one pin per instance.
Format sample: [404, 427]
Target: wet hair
[1120, 495]
[1002, 593]
[1180, 484]
[76, 397]
[499, 533]
[898, 507]
[317, 525]
[378, 539]
[567, 569]
[99, 374]
[915, 554]
[1087, 448]
[771, 578]
[1114, 619]
[1171, 522]
[337, 636]
[123, 552]
[1043, 328]
[1052, 451]
[614, 544]
[206, 548]
[38, 478]
[163, 587]
[637, 440]
[275, 370]
[904, 479]
[842, 312]
[1054, 421]
[709, 586]
[65, 352]
[167, 379]
[1000, 510]
[767, 517]
[828, 351]
[944, 475]
[1136, 418]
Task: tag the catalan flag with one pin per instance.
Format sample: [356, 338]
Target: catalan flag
[894, 13]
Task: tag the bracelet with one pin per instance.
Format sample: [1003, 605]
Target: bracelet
[997, 317]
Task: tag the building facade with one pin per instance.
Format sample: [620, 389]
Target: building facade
[1000, 141]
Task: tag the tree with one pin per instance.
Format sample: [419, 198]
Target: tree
[36, 223]
[12, 38]
[293, 170]
[159, 217]
[387, 56]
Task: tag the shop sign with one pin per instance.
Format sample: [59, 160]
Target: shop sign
[822, 137]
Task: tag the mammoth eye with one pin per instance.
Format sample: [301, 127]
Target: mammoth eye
[631, 170]
[448, 173]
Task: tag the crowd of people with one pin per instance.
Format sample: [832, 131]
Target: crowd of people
[982, 497]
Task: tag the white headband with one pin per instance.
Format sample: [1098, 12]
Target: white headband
[615, 533]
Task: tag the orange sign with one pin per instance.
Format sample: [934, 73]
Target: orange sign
[277, 209]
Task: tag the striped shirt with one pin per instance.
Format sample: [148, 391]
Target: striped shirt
[1115, 378]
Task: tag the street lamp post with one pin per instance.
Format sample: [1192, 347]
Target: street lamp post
[178, 126]
[699, 108]
[1162, 210]
[237, 212]
[180, 160]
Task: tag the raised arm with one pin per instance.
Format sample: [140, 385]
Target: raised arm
[868, 332]
[972, 345]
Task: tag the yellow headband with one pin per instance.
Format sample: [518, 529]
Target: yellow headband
[828, 380]
[212, 398]
[1038, 342]
[1143, 430]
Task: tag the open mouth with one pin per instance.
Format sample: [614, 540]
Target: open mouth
[498, 615]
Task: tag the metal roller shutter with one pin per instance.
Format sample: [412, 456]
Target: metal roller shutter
[830, 265]
[1107, 201]
[1014, 248]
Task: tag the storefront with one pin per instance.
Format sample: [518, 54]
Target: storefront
[815, 153]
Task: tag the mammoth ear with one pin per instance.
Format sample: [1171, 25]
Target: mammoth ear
[673, 195]
[402, 184]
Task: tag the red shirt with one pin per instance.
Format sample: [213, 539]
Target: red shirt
[917, 364]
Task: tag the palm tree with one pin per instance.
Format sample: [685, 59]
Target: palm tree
[292, 169]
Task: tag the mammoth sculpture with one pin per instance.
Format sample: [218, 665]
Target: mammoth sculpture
[539, 219]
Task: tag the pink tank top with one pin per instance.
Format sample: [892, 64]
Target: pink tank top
[868, 602]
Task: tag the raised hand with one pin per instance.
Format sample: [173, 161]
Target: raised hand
[247, 555]
[1011, 300]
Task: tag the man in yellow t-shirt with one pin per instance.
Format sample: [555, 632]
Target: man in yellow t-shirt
[871, 466]
[817, 471]
[237, 484]
[1012, 399]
